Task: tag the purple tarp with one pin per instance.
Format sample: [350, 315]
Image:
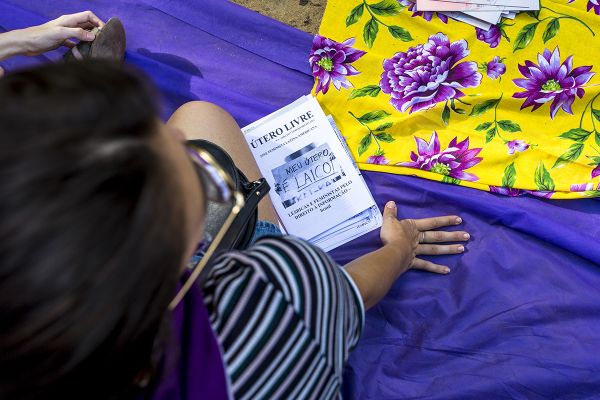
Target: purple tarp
[518, 317]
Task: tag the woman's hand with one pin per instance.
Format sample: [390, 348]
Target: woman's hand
[415, 237]
[375, 272]
[51, 35]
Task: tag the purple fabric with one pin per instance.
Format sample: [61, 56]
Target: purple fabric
[516, 318]
[518, 315]
[210, 50]
[193, 368]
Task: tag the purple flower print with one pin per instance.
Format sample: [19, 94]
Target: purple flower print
[330, 62]
[506, 191]
[512, 192]
[491, 36]
[516, 146]
[451, 162]
[378, 159]
[540, 193]
[596, 171]
[595, 4]
[427, 15]
[495, 68]
[428, 74]
[551, 81]
[582, 187]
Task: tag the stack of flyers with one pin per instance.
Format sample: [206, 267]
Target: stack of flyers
[317, 190]
[479, 13]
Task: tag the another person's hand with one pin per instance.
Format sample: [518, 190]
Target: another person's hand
[53, 34]
[421, 237]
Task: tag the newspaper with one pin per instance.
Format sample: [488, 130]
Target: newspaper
[317, 190]
[436, 5]
[479, 13]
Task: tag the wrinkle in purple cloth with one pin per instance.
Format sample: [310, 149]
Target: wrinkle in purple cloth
[518, 315]
[516, 318]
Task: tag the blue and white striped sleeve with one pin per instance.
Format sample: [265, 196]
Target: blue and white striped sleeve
[286, 316]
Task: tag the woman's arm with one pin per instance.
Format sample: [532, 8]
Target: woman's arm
[375, 272]
[49, 36]
[9, 45]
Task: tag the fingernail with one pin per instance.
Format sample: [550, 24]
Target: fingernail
[90, 36]
[458, 220]
[446, 270]
[461, 249]
[390, 204]
[466, 236]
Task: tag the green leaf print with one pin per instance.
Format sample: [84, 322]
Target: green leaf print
[576, 134]
[400, 33]
[364, 144]
[383, 127]
[489, 136]
[355, 14]
[384, 137]
[446, 114]
[542, 178]
[373, 116]
[370, 90]
[509, 126]
[510, 176]
[525, 36]
[370, 32]
[483, 126]
[570, 155]
[386, 7]
[481, 108]
[551, 30]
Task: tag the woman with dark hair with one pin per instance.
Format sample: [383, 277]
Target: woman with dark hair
[100, 210]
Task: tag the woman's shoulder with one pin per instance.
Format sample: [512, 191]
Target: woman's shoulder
[271, 307]
[286, 263]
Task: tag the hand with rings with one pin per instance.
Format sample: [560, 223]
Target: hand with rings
[416, 237]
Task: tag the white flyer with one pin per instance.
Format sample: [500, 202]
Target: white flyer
[519, 4]
[436, 5]
[459, 16]
[314, 183]
[492, 17]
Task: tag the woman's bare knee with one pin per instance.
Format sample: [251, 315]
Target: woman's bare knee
[204, 120]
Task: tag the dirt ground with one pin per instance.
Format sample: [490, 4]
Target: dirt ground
[302, 14]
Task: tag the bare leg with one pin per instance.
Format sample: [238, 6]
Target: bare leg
[202, 120]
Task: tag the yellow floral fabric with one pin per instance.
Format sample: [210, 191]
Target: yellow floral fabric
[512, 110]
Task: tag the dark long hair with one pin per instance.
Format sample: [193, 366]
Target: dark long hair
[91, 238]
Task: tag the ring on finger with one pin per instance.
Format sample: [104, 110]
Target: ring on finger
[422, 237]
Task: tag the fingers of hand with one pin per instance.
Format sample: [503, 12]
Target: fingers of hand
[438, 249]
[427, 224]
[443, 236]
[78, 33]
[429, 266]
[81, 19]
[69, 43]
[87, 25]
[390, 211]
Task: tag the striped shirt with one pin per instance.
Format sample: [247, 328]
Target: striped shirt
[286, 317]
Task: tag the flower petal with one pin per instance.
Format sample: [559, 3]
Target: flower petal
[458, 50]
